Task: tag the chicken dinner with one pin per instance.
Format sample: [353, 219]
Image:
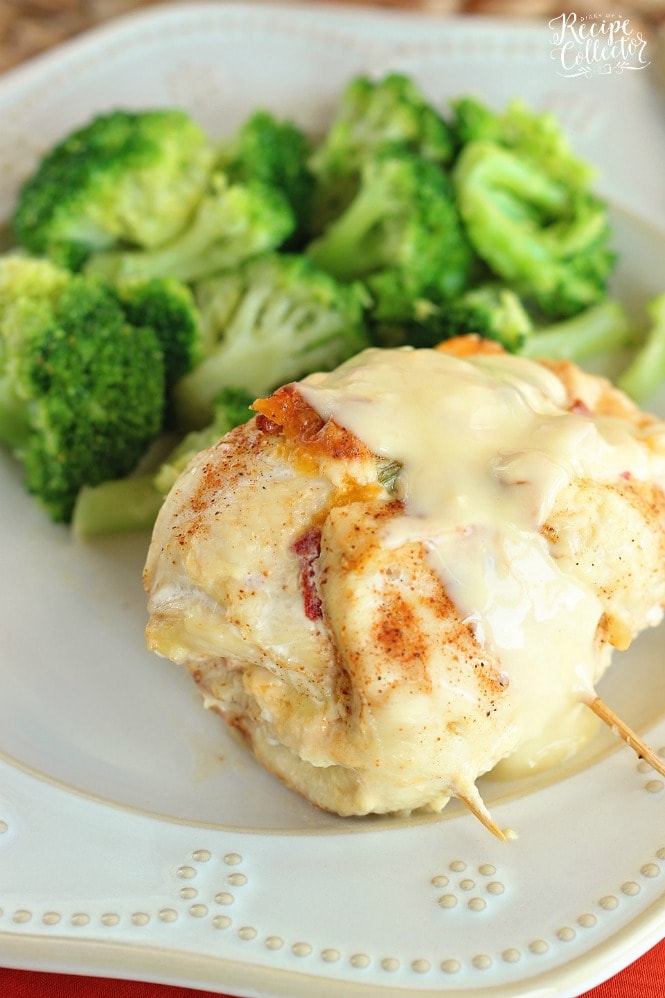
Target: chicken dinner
[399, 573]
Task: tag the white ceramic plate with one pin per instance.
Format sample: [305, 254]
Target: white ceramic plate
[136, 839]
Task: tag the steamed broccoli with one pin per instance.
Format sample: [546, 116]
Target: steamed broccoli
[646, 371]
[546, 239]
[536, 137]
[81, 389]
[276, 153]
[125, 177]
[497, 313]
[489, 310]
[132, 503]
[401, 235]
[167, 306]
[232, 223]
[269, 321]
[370, 114]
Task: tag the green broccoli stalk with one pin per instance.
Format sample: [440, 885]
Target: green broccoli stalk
[125, 177]
[268, 322]
[370, 114]
[131, 504]
[232, 223]
[166, 305]
[599, 329]
[275, 153]
[646, 371]
[81, 389]
[546, 239]
[401, 235]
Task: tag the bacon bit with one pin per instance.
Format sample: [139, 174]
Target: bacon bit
[580, 407]
[268, 426]
[308, 549]
[302, 424]
[287, 408]
[627, 476]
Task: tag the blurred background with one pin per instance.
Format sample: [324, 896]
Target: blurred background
[28, 27]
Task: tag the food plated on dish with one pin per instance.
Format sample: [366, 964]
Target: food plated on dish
[182, 785]
[236, 265]
[389, 591]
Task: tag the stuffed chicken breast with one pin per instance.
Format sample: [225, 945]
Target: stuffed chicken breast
[399, 573]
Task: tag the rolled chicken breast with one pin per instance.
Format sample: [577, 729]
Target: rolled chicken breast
[402, 572]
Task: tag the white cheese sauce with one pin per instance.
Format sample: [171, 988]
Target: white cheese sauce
[486, 444]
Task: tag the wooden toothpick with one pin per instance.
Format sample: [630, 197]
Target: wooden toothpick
[478, 809]
[620, 728]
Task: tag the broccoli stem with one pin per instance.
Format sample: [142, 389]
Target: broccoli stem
[14, 417]
[346, 249]
[646, 371]
[123, 505]
[597, 329]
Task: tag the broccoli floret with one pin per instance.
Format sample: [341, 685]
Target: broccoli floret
[81, 389]
[232, 223]
[495, 312]
[132, 503]
[276, 153]
[547, 240]
[492, 311]
[401, 235]
[372, 113]
[536, 137]
[167, 306]
[646, 371]
[369, 114]
[598, 329]
[125, 177]
[268, 322]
